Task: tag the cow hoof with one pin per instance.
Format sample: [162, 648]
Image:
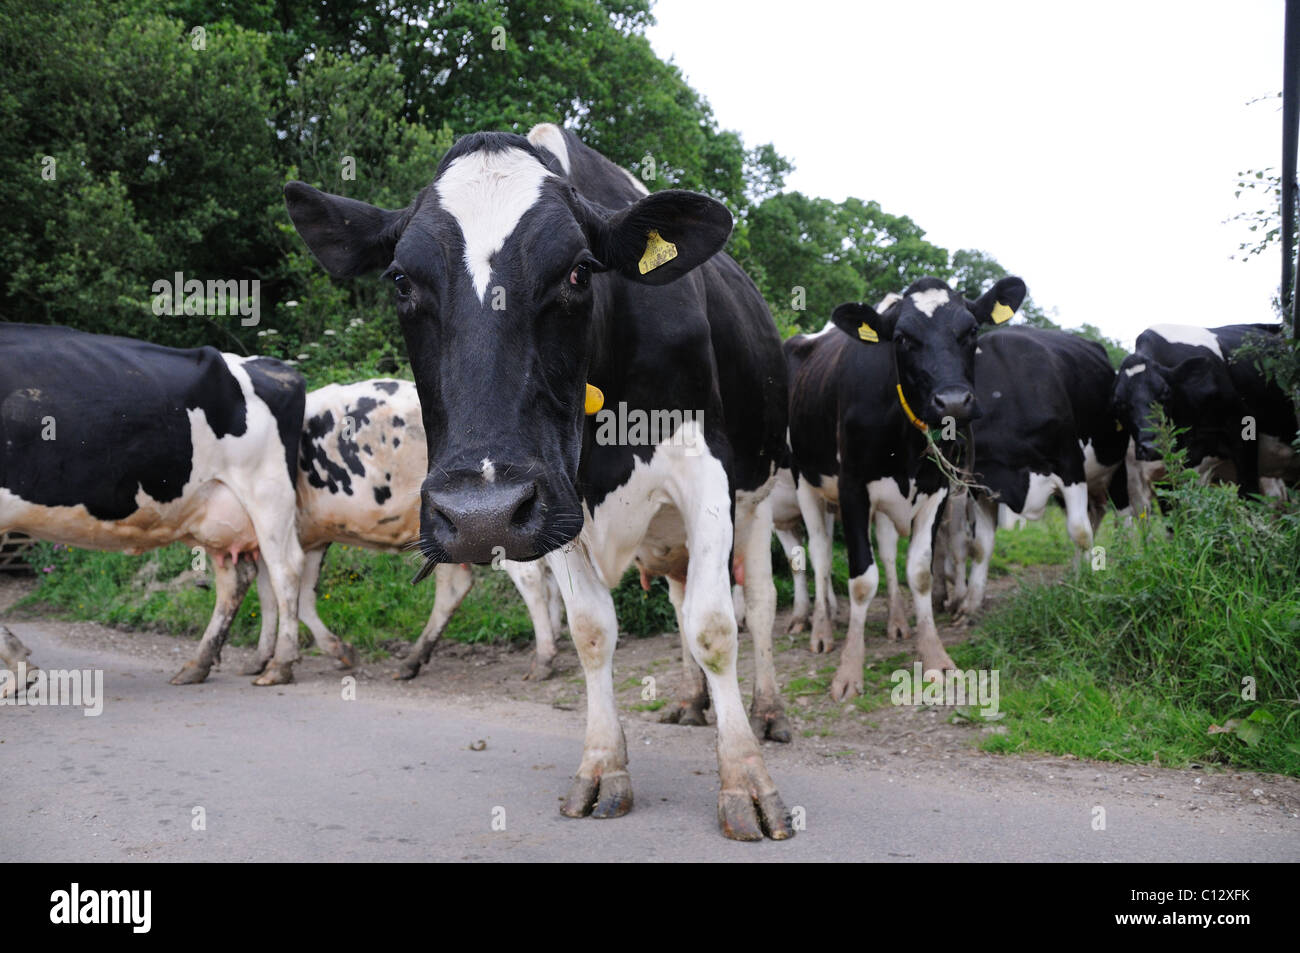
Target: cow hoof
[276, 673]
[603, 798]
[685, 713]
[935, 664]
[795, 626]
[348, 657]
[898, 629]
[255, 667]
[846, 685]
[743, 817]
[540, 670]
[408, 671]
[191, 673]
[771, 724]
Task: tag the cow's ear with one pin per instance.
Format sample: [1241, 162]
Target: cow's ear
[863, 323]
[348, 237]
[999, 303]
[661, 237]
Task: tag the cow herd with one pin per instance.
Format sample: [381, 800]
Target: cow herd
[536, 282]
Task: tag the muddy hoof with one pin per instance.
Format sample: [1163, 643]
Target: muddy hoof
[746, 818]
[409, 669]
[795, 626]
[685, 713]
[255, 667]
[606, 797]
[540, 670]
[846, 685]
[771, 724]
[191, 673]
[822, 640]
[349, 657]
[276, 674]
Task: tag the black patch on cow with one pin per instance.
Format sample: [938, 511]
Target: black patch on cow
[382, 493]
[120, 412]
[282, 389]
[348, 450]
[388, 387]
[398, 421]
[322, 472]
[396, 443]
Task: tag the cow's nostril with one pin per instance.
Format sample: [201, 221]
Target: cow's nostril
[527, 507]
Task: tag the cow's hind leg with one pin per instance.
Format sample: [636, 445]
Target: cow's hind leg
[887, 555]
[864, 579]
[326, 641]
[602, 787]
[233, 579]
[530, 580]
[270, 623]
[452, 581]
[934, 658]
[754, 542]
[693, 696]
[813, 509]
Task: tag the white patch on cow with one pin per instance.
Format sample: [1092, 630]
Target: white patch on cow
[829, 488]
[928, 301]
[488, 470]
[886, 301]
[1008, 519]
[1135, 369]
[1189, 334]
[550, 137]
[636, 183]
[979, 350]
[488, 193]
[1095, 474]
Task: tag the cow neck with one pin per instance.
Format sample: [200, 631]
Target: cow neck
[915, 421]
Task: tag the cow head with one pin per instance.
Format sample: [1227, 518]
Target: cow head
[497, 269]
[1193, 390]
[932, 331]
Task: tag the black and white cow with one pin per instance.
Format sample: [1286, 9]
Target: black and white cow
[1240, 426]
[1043, 434]
[360, 465]
[862, 409]
[111, 443]
[535, 279]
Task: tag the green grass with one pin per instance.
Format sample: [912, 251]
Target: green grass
[1147, 660]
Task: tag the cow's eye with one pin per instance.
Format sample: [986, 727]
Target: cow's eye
[402, 284]
[581, 275]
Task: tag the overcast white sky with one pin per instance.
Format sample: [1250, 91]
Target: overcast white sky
[1091, 148]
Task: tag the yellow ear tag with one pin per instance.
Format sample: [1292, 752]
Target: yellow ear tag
[1118, 426]
[657, 252]
[867, 334]
[595, 400]
[1001, 313]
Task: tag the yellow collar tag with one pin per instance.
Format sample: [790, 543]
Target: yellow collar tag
[1001, 313]
[657, 252]
[595, 400]
[868, 334]
[915, 421]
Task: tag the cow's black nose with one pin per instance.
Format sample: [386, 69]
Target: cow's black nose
[955, 402]
[474, 521]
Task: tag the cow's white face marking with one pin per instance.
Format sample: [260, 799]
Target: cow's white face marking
[488, 470]
[488, 193]
[1135, 369]
[1188, 334]
[927, 301]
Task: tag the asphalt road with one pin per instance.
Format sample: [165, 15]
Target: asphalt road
[299, 774]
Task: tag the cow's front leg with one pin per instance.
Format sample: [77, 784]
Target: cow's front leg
[451, 583]
[985, 512]
[864, 579]
[934, 658]
[530, 580]
[232, 579]
[887, 541]
[693, 696]
[602, 787]
[329, 643]
[813, 509]
[754, 542]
